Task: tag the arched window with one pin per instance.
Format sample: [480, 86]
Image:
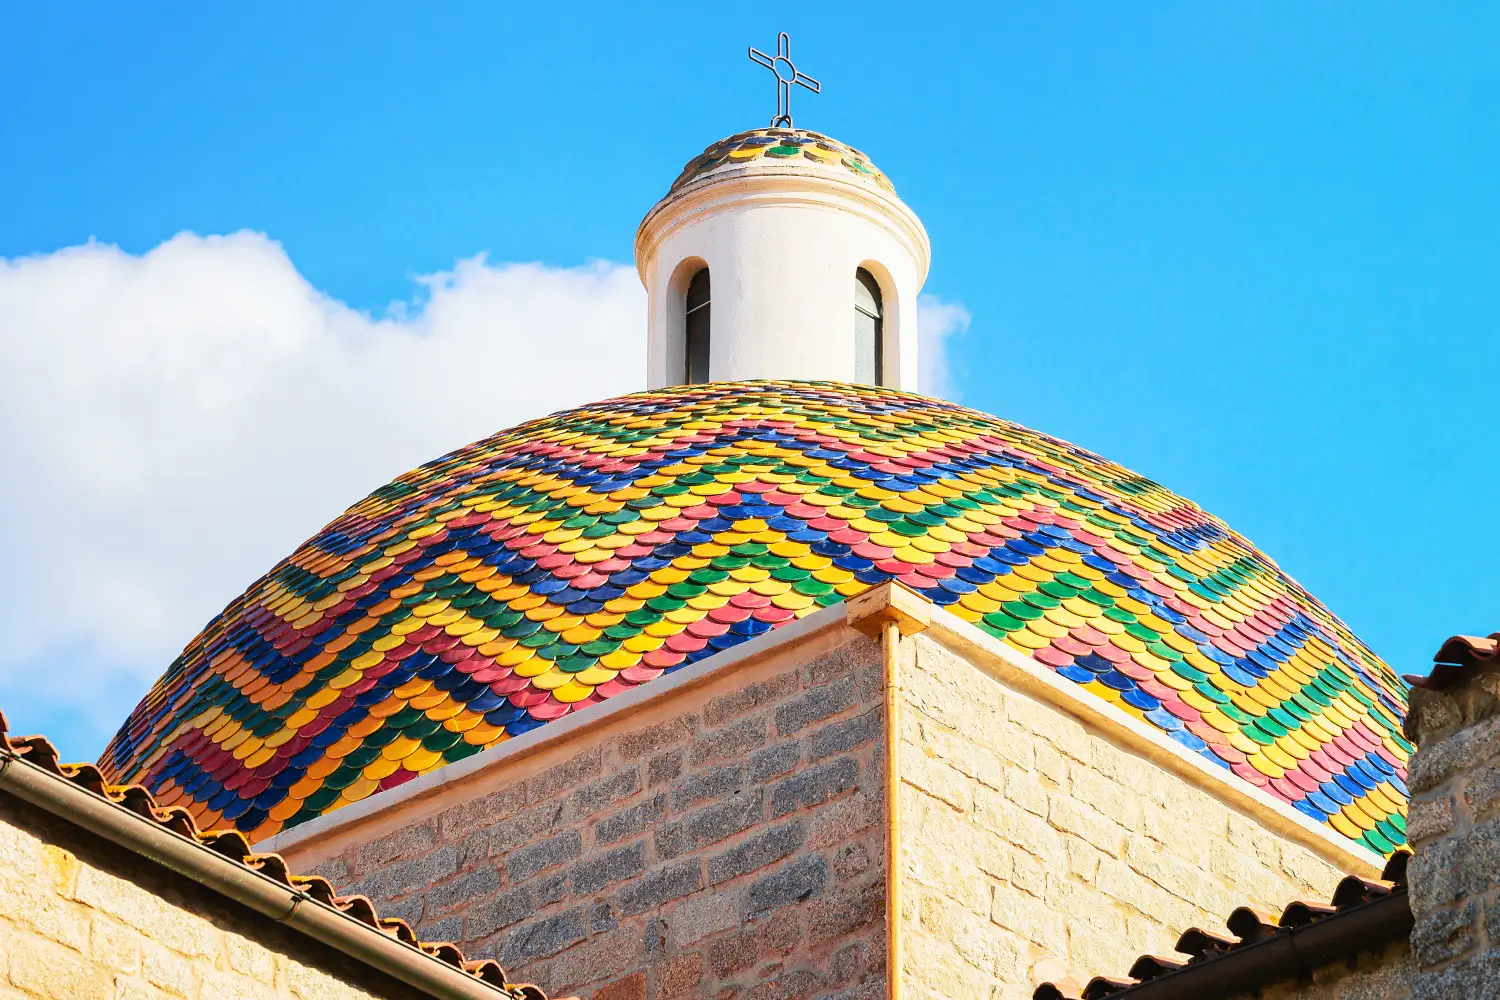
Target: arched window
[867, 340]
[696, 339]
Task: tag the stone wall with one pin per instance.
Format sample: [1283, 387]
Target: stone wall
[82, 919]
[1454, 827]
[1032, 845]
[726, 841]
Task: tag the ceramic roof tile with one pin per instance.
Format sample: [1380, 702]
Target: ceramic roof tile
[789, 147]
[230, 843]
[1212, 966]
[557, 564]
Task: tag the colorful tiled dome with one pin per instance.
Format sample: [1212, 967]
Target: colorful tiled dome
[792, 147]
[557, 564]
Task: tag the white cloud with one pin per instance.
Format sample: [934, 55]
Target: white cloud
[173, 423]
[938, 322]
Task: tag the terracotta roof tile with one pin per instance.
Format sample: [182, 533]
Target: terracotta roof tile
[1203, 972]
[1457, 657]
[233, 845]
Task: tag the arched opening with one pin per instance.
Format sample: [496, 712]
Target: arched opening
[696, 339]
[868, 348]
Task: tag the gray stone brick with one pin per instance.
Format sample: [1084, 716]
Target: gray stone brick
[844, 910]
[544, 937]
[550, 888]
[564, 776]
[447, 929]
[1469, 979]
[630, 822]
[861, 657]
[732, 742]
[654, 940]
[874, 990]
[841, 737]
[602, 918]
[525, 862]
[463, 890]
[663, 768]
[474, 849]
[710, 783]
[606, 791]
[594, 873]
[335, 870]
[1443, 934]
[1482, 790]
[524, 828]
[847, 961]
[813, 786]
[851, 860]
[709, 825]
[409, 909]
[406, 842]
[756, 852]
[494, 914]
[1448, 870]
[644, 742]
[746, 699]
[794, 882]
[732, 954]
[773, 762]
[815, 706]
[484, 811]
[1465, 749]
[660, 886]
[789, 986]
[408, 876]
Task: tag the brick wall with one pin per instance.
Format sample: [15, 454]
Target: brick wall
[81, 919]
[1454, 828]
[727, 841]
[1031, 844]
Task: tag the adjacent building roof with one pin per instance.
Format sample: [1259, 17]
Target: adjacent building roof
[30, 768]
[790, 147]
[1458, 656]
[1363, 915]
[562, 562]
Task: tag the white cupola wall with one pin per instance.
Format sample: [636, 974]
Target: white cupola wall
[784, 222]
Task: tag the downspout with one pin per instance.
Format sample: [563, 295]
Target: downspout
[890, 648]
[261, 893]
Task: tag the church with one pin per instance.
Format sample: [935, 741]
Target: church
[779, 680]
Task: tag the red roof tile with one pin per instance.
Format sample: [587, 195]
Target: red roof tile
[232, 844]
[1363, 914]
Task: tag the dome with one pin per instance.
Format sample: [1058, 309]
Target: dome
[565, 561]
[783, 147]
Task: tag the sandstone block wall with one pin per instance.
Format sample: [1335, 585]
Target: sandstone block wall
[725, 842]
[1032, 844]
[81, 919]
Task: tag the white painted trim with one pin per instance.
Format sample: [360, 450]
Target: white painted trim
[781, 185]
[554, 732]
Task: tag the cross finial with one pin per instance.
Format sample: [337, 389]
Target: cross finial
[786, 75]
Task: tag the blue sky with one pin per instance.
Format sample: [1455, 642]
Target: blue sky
[1247, 250]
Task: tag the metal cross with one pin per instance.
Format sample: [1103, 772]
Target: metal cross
[786, 75]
